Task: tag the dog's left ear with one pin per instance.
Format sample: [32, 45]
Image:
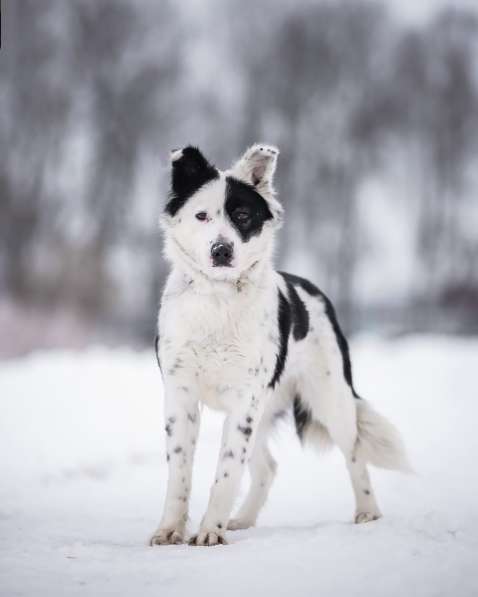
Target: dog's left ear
[257, 167]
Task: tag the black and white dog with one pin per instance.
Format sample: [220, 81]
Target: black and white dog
[241, 337]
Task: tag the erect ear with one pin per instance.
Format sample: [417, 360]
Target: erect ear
[257, 167]
[189, 172]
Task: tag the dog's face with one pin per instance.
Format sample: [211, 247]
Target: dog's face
[221, 223]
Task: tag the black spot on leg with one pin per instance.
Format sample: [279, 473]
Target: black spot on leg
[178, 449]
[228, 454]
[245, 430]
[219, 525]
[244, 450]
[169, 426]
[226, 475]
[366, 491]
[168, 457]
[249, 419]
[192, 417]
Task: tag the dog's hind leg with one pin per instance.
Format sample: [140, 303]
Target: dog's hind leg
[338, 408]
[262, 467]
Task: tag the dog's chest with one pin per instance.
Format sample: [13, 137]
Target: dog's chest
[218, 342]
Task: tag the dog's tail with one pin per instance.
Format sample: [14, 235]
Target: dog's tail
[378, 440]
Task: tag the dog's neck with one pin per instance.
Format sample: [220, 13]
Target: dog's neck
[200, 283]
[195, 279]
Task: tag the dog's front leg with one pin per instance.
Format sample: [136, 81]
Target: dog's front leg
[237, 440]
[181, 426]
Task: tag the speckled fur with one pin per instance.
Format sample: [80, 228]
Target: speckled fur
[221, 334]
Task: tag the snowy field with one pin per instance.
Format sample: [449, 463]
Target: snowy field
[83, 478]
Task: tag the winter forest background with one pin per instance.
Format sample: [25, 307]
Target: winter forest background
[374, 109]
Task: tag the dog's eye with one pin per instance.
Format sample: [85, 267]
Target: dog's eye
[242, 216]
[201, 215]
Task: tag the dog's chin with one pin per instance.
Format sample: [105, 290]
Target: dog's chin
[223, 273]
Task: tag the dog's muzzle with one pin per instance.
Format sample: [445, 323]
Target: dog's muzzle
[222, 253]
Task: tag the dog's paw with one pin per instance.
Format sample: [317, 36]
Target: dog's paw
[167, 537]
[237, 524]
[208, 538]
[362, 517]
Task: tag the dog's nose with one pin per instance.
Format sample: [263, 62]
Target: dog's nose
[221, 253]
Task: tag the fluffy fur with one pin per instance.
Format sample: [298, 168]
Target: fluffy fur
[239, 336]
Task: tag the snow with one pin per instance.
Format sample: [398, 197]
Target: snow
[83, 479]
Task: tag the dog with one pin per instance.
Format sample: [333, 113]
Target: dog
[238, 336]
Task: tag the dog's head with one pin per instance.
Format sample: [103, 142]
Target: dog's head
[221, 223]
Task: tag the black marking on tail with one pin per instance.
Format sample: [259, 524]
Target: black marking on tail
[302, 417]
[332, 317]
[284, 321]
[156, 348]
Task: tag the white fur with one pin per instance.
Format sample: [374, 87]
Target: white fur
[219, 341]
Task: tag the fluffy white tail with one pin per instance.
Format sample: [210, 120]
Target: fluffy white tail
[379, 441]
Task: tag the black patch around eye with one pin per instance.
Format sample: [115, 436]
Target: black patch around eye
[189, 173]
[243, 198]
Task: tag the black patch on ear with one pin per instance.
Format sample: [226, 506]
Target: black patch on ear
[284, 321]
[243, 198]
[300, 315]
[332, 317]
[302, 416]
[189, 173]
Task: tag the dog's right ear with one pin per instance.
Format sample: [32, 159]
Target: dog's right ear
[189, 172]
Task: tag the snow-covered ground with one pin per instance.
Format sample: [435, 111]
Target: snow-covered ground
[82, 481]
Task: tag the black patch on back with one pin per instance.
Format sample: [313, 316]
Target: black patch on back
[284, 320]
[242, 197]
[330, 313]
[189, 173]
[156, 348]
[302, 416]
[300, 315]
